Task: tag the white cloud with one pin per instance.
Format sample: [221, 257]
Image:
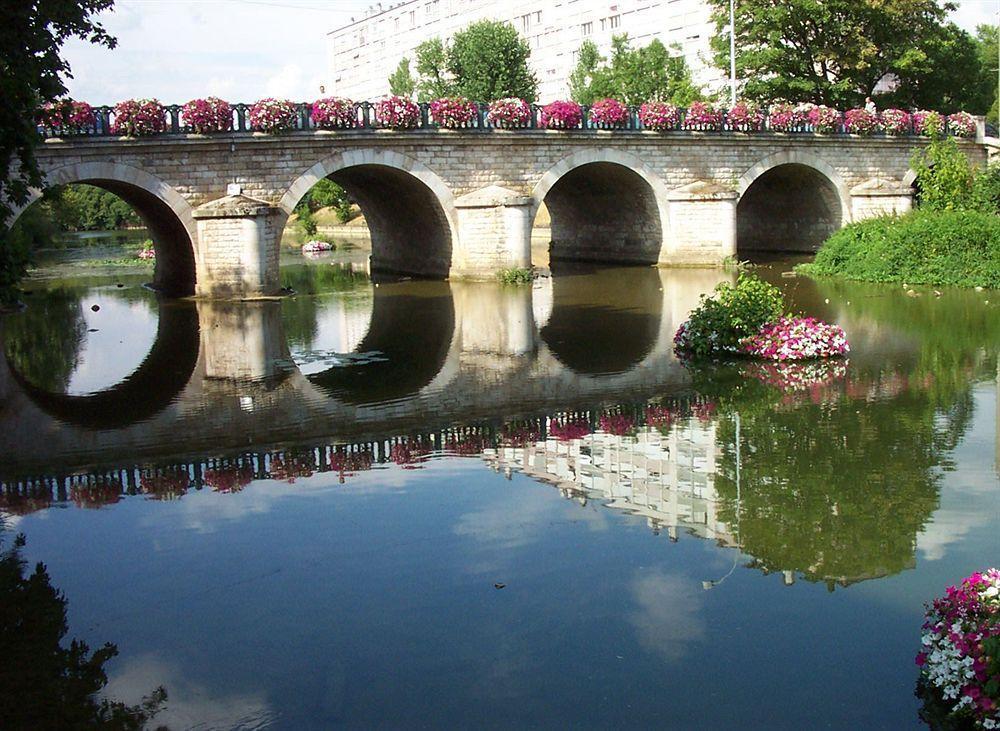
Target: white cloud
[667, 618]
[189, 705]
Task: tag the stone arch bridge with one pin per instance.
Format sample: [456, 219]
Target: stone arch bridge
[442, 203]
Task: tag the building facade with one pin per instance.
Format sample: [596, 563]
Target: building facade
[363, 54]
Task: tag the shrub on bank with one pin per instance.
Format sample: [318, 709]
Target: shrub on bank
[940, 247]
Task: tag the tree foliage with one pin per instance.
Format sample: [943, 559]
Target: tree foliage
[32, 73]
[486, 61]
[837, 52]
[633, 75]
[401, 81]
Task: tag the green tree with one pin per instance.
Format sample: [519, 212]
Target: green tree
[489, 61]
[837, 51]
[432, 71]
[32, 73]
[945, 177]
[633, 75]
[986, 40]
[581, 79]
[81, 207]
[401, 81]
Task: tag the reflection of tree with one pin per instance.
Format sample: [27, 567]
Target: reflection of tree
[43, 684]
[308, 280]
[43, 342]
[837, 489]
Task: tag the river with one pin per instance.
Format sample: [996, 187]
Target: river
[453, 504]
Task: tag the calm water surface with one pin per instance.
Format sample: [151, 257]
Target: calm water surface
[426, 504]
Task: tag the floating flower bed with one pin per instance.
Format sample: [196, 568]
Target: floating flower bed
[659, 116]
[609, 114]
[315, 247]
[561, 115]
[396, 112]
[509, 113]
[147, 253]
[796, 338]
[207, 115]
[139, 118]
[747, 320]
[959, 658]
[334, 113]
[272, 115]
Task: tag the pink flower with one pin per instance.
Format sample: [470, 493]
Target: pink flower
[273, 115]
[396, 112]
[659, 116]
[207, 115]
[561, 115]
[609, 113]
[139, 118]
[334, 113]
[510, 112]
[453, 113]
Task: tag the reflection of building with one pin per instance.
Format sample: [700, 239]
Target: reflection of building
[364, 53]
[668, 479]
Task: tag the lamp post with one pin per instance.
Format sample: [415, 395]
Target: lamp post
[732, 53]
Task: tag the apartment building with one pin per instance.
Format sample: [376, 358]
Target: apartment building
[364, 53]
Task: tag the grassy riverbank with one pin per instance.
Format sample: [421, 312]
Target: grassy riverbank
[953, 248]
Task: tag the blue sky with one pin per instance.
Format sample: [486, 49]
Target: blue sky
[241, 50]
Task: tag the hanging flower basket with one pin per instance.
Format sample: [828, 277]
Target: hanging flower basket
[561, 115]
[659, 116]
[203, 116]
[608, 114]
[509, 113]
[396, 112]
[272, 115]
[334, 113]
[139, 118]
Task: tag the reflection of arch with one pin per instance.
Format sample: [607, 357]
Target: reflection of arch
[408, 208]
[605, 321]
[790, 201]
[150, 388]
[165, 212]
[411, 331]
[605, 205]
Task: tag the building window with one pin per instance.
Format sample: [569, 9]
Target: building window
[526, 22]
[586, 29]
[615, 21]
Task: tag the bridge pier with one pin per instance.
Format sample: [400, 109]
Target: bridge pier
[239, 240]
[494, 229]
[703, 224]
[880, 197]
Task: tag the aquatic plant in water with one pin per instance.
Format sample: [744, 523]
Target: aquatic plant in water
[959, 658]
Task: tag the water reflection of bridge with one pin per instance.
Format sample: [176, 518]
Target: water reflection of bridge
[220, 376]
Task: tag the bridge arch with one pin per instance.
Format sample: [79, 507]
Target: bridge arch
[409, 209]
[165, 212]
[790, 201]
[605, 206]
